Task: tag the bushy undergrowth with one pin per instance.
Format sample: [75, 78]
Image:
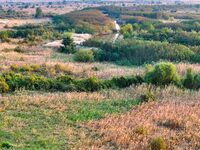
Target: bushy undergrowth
[36, 77]
[3, 86]
[137, 52]
[84, 55]
[191, 80]
[11, 81]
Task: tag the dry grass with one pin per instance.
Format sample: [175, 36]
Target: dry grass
[18, 22]
[7, 46]
[39, 55]
[182, 67]
[180, 126]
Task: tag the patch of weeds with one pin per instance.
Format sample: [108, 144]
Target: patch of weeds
[158, 143]
[91, 110]
[171, 124]
[147, 97]
[94, 68]
[19, 50]
[141, 130]
[62, 57]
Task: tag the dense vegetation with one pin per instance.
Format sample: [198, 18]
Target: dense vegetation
[138, 52]
[85, 21]
[32, 78]
[37, 78]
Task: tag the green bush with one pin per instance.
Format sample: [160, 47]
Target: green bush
[162, 74]
[189, 81]
[91, 84]
[3, 86]
[197, 81]
[122, 82]
[84, 56]
[39, 82]
[12, 81]
[6, 145]
[158, 144]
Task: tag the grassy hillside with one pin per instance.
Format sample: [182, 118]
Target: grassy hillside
[92, 21]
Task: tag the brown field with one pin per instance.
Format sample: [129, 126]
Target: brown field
[8, 23]
[175, 121]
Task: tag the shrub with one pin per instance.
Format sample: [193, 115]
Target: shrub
[3, 86]
[141, 130]
[97, 54]
[91, 84]
[17, 81]
[25, 68]
[197, 81]
[84, 56]
[95, 68]
[35, 68]
[39, 82]
[6, 145]
[61, 68]
[122, 82]
[162, 74]
[188, 81]
[147, 97]
[64, 83]
[18, 49]
[14, 67]
[158, 144]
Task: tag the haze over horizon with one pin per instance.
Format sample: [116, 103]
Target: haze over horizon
[186, 1]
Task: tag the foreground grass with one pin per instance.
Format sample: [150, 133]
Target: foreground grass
[44, 125]
[177, 122]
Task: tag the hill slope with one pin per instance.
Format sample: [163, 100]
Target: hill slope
[89, 21]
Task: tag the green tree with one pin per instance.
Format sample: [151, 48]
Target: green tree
[162, 74]
[148, 26]
[67, 45]
[38, 13]
[128, 28]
